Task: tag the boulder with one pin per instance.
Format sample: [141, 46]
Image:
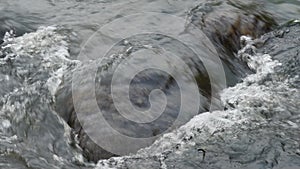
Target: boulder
[222, 21]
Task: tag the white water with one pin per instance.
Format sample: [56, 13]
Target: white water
[38, 60]
[241, 102]
[51, 48]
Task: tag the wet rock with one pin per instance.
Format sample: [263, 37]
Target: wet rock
[240, 137]
[286, 49]
[222, 21]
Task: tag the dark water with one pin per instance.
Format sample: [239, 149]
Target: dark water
[259, 127]
[32, 66]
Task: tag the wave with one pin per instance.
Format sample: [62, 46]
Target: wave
[257, 129]
[32, 134]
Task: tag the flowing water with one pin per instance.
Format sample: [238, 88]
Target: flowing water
[35, 126]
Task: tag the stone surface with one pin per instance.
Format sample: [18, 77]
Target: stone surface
[224, 31]
[259, 129]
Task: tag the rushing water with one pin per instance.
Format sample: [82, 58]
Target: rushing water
[34, 133]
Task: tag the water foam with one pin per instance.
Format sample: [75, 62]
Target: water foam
[37, 61]
[248, 104]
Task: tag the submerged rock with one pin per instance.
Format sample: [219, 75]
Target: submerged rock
[223, 30]
[224, 22]
[258, 129]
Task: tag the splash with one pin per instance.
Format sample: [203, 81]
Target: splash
[256, 103]
[34, 65]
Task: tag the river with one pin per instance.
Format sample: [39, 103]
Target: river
[50, 48]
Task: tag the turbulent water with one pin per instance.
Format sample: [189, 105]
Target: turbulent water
[259, 127]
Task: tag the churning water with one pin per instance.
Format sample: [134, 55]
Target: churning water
[41, 41]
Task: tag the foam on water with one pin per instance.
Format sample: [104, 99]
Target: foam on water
[248, 104]
[37, 61]
[45, 43]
